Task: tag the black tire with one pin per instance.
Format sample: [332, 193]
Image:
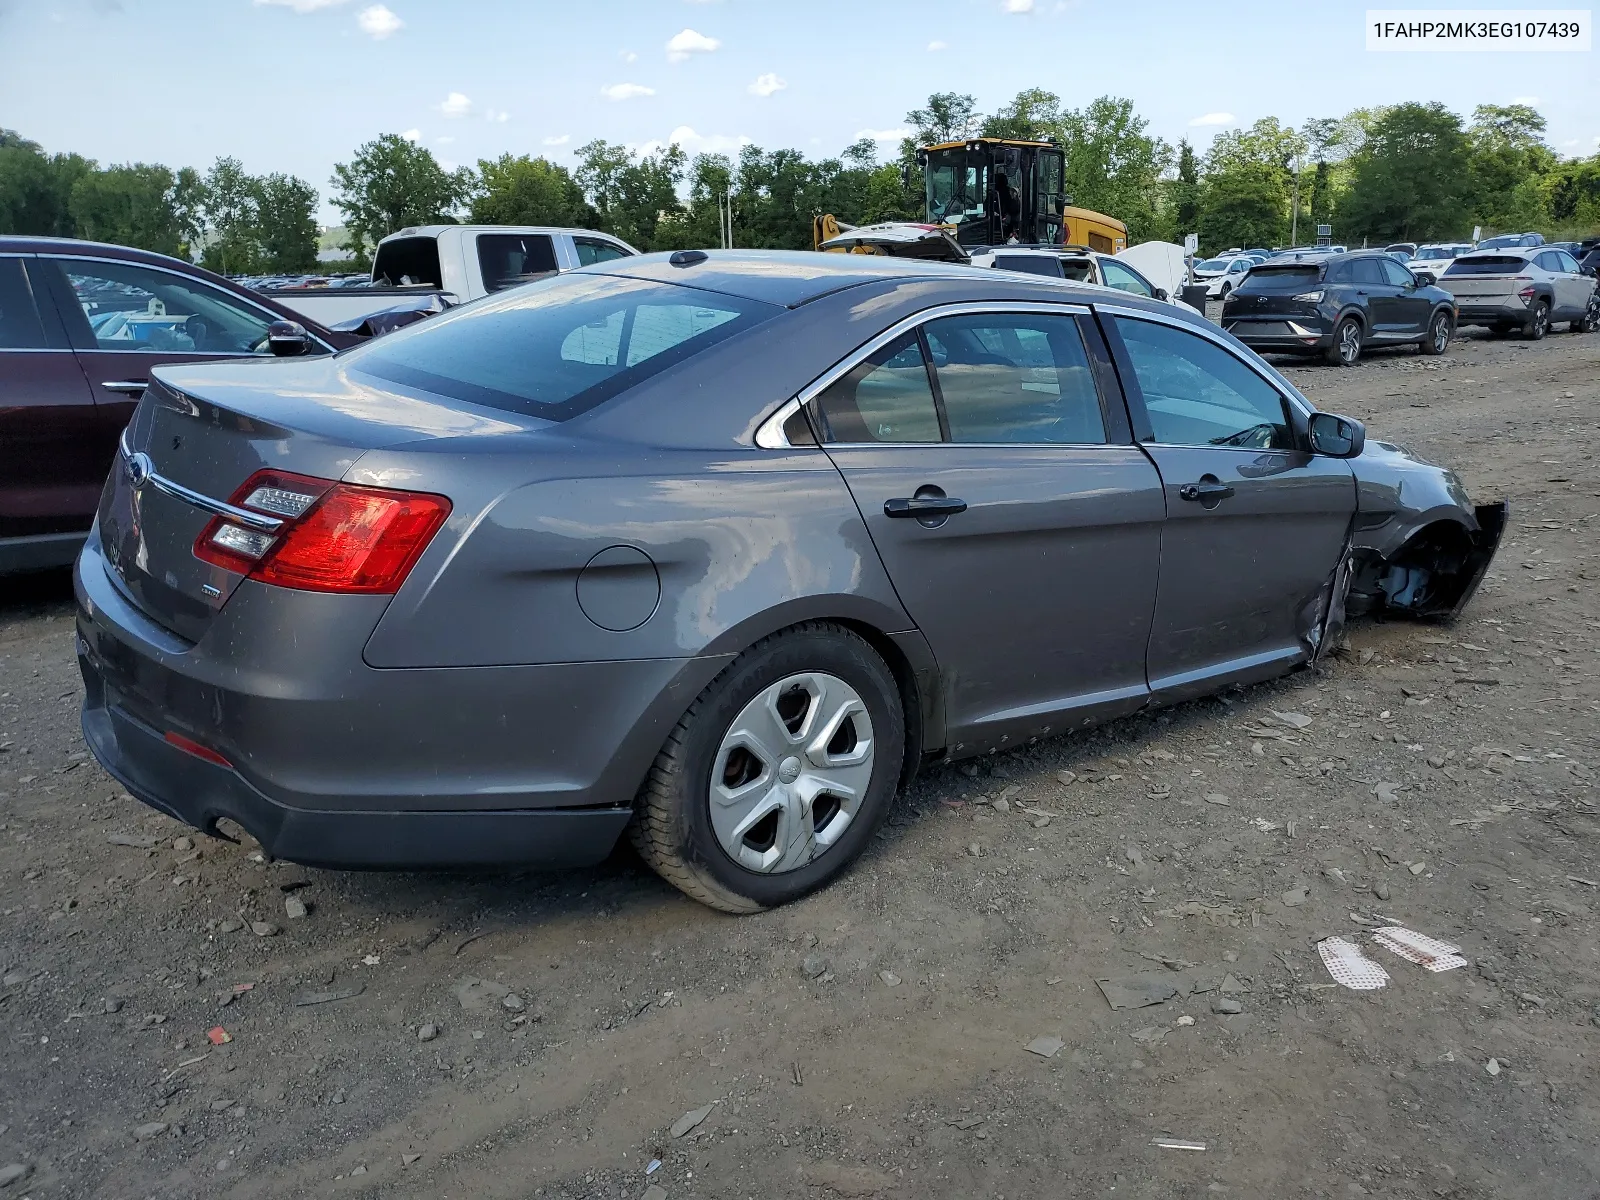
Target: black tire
[1590, 321]
[1538, 322]
[1345, 351]
[1223, 294]
[1437, 339]
[672, 827]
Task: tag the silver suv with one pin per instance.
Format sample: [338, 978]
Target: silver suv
[1522, 287]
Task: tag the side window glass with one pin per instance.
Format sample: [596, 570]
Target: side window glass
[1198, 394]
[507, 259]
[1339, 273]
[1568, 263]
[1396, 274]
[1366, 270]
[1123, 279]
[20, 327]
[133, 307]
[591, 251]
[1015, 378]
[885, 398]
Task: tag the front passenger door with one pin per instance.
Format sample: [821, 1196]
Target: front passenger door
[1256, 524]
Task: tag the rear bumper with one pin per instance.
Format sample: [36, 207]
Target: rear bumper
[336, 763]
[201, 794]
[1281, 335]
[1512, 312]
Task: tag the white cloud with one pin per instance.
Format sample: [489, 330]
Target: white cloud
[766, 84]
[715, 143]
[1216, 118]
[412, 135]
[935, 47]
[444, 141]
[883, 135]
[628, 56]
[496, 116]
[560, 140]
[301, 6]
[626, 91]
[1528, 100]
[681, 45]
[455, 105]
[378, 22]
[1018, 6]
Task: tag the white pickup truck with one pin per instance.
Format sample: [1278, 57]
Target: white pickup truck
[451, 264]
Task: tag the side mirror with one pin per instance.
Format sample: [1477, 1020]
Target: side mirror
[288, 339]
[1424, 279]
[1336, 436]
[1161, 294]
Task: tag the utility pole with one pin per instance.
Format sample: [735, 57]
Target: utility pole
[1294, 206]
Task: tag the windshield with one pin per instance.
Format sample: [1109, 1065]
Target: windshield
[1213, 264]
[557, 347]
[1435, 252]
[956, 186]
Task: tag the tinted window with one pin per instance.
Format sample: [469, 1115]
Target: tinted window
[1367, 270]
[1198, 394]
[557, 347]
[133, 307]
[408, 261]
[19, 320]
[1031, 264]
[1124, 279]
[508, 259]
[1488, 264]
[1339, 272]
[1397, 274]
[1015, 378]
[885, 398]
[1269, 278]
[593, 250]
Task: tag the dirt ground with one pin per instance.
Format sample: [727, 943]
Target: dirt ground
[540, 1035]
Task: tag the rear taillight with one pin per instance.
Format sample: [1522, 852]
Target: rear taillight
[1527, 292]
[334, 537]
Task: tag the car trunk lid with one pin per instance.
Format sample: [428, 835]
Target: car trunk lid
[1275, 292]
[1490, 277]
[200, 432]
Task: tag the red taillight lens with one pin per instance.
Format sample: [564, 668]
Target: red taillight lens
[335, 537]
[1526, 293]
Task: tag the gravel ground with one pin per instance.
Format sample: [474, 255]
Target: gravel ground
[542, 1035]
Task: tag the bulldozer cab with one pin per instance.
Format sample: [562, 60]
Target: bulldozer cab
[994, 191]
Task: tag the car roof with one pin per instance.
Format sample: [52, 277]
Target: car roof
[787, 277]
[27, 244]
[1504, 251]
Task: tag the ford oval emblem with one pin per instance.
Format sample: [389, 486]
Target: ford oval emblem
[139, 470]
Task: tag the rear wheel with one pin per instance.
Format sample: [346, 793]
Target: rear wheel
[1590, 321]
[1438, 338]
[1346, 348]
[1223, 294]
[778, 775]
[1538, 322]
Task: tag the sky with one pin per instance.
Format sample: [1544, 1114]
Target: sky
[297, 85]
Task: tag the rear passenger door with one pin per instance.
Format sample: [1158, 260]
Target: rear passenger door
[52, 458]
[1384, 315]
[1255, 524]
[1019, 523]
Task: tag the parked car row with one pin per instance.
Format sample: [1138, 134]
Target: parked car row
[1340, 305]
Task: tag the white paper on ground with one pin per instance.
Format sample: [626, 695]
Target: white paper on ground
[1349, 966]
[1425, 951]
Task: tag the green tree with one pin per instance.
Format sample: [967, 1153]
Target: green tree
[132, 205]
[1509, 158]
[391, 183]
[948, 117]
[528, 191]
[1112, 165]
[36, 189]
[232, 211]
[1186, 192]
[287, 233]
[634, 197]
[1033, 115]
[1411, 179]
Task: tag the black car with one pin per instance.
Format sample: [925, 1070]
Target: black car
[1338, 305]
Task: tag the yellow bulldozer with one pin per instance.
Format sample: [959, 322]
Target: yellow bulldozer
[978, 193]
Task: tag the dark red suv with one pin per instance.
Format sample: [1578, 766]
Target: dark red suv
[81, 324]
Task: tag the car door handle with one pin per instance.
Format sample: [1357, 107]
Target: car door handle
[923, 506]
[1205, 492]
[127, 387]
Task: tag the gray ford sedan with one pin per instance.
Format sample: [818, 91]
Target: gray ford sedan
[715, 549]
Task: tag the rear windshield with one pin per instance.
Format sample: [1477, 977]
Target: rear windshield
[558, 347]
[1489, 264]
[1030, 264]
[1270, 277]
[407, 261]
